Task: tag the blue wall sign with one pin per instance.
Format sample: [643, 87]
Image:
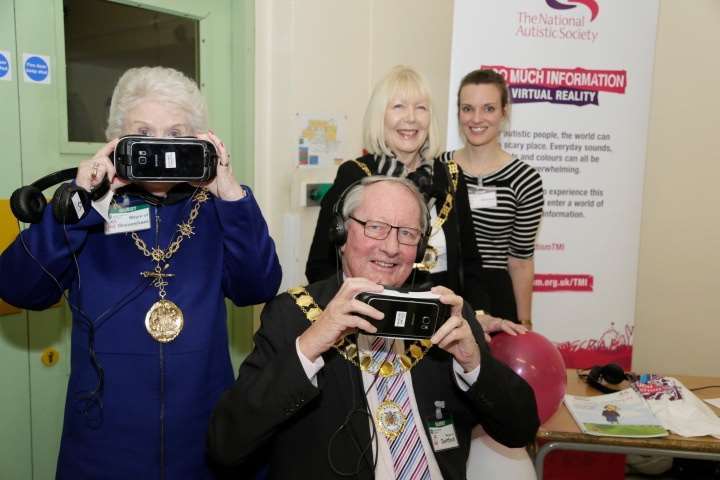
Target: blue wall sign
[36, 68]
[5, 65]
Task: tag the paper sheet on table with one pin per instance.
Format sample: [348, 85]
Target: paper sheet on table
[715, 402]
[688, 416]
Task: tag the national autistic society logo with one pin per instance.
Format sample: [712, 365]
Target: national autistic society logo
[568, 4]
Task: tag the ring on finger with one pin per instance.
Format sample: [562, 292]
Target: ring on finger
[94, 170]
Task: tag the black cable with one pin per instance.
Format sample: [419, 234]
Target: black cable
[92, 398]
[373, 436]
[583, 375]
[703, 388]
[337, 265]
[63, 292]
[346, 424]
[88, 403]
[162, 413]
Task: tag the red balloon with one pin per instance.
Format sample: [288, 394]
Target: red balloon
[539, 362]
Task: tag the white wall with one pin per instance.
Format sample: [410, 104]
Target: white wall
[323, 56]
[677, 325]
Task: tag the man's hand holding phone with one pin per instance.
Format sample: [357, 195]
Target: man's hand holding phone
[455, 335]
[343, 315]
[407, 314]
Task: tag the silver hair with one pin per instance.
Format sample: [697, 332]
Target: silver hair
[156, 83]
[354, 197]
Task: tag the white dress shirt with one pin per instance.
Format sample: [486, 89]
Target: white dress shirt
[384, 468]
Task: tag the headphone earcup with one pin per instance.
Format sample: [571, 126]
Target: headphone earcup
[600, 376]
[99, 191]
[422, 179]
[594, 373]
[594, 379]
[28, 204]
[65, 208]
[337, 232]
[613, 373]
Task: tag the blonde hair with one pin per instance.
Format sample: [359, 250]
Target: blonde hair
[403, 82]
[156, 83]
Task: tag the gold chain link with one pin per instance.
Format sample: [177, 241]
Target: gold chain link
[160, 256]
[185, 230]
[447, 207]
[363, 167]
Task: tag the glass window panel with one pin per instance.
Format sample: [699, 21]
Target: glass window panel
[102, 40]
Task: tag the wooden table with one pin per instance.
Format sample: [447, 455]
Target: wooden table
[560, 432]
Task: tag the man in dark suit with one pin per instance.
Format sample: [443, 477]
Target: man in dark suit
[322, 397]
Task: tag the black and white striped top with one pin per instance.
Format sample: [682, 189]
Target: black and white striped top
[509, 228]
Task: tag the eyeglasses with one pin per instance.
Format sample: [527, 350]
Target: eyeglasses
[381, 230]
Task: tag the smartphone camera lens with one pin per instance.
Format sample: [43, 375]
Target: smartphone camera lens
[142, 160]
[425, 323]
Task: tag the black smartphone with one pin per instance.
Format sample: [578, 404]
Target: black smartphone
[152, 159]
[406, 315]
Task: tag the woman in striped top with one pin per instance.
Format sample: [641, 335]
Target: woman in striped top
[506, 196]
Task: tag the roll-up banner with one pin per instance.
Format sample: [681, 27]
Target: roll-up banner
[580, 75]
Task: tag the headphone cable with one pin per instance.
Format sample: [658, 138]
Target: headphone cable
[93, 398]
[373, 441]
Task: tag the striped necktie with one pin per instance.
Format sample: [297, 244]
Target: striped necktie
[408, 454]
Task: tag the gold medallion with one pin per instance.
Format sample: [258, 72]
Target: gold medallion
[390, 419]
[164, 321]
[386, 369]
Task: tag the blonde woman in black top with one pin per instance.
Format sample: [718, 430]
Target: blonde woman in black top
[401, 137]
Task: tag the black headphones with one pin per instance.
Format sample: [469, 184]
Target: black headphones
[422, 178]
[28, 203]
[338, 232]
[606, 378]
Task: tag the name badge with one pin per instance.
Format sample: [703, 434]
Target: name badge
[77, 204]
[442, 434]
[128, 219]
[482, 197]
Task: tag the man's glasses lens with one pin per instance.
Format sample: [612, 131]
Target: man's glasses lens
[381, 230]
